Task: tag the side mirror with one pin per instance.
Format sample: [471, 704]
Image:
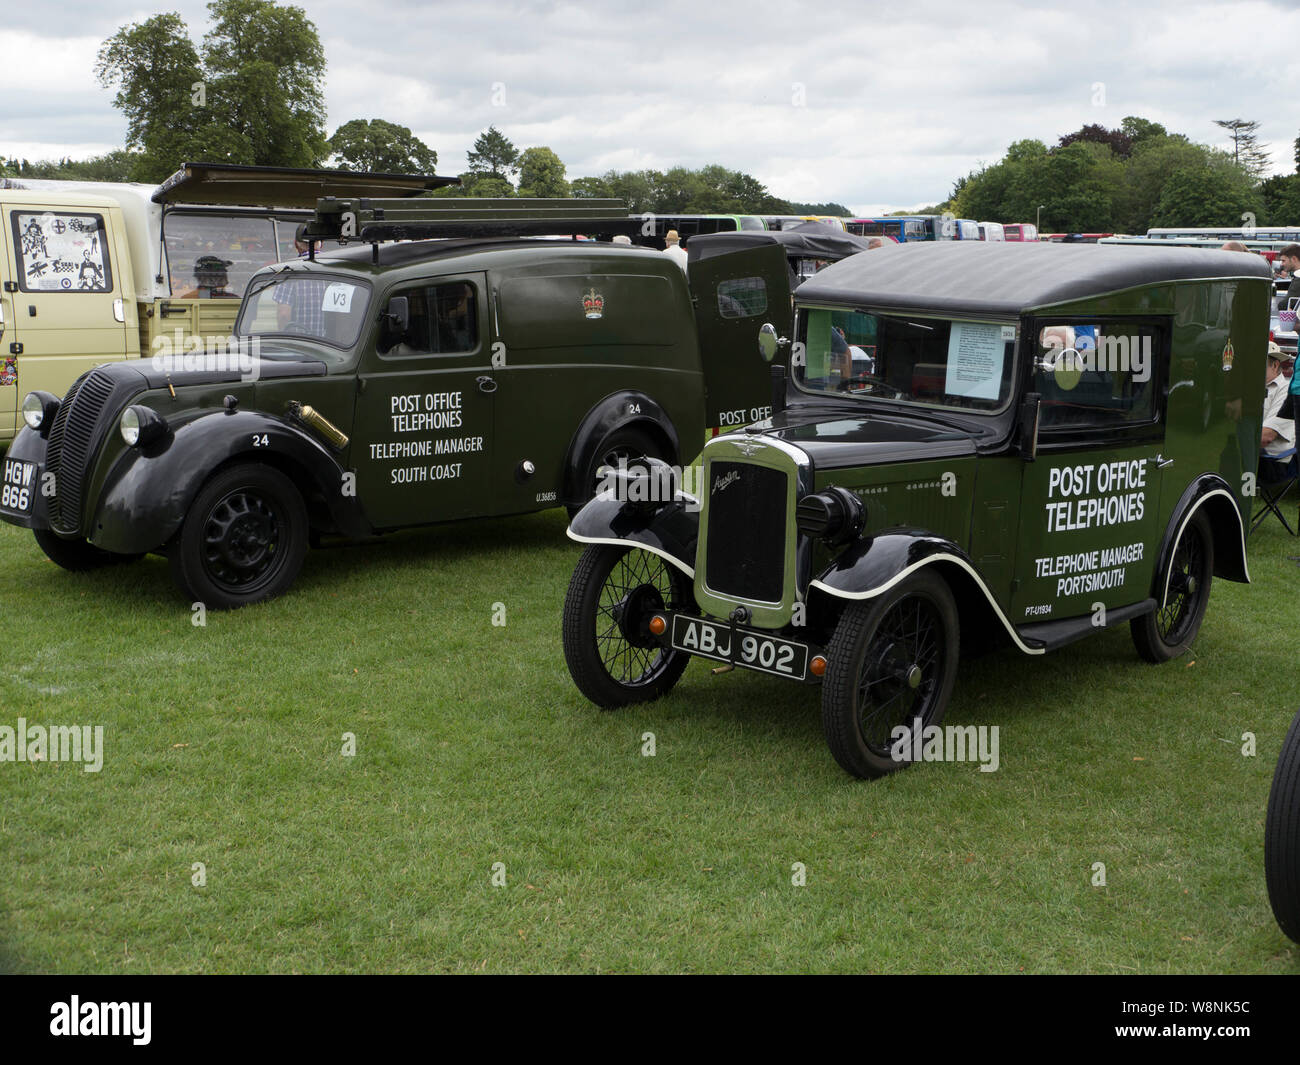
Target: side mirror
[768, 342]
[1029, 410]
[397, 319]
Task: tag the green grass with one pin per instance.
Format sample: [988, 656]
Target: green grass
[473, 747]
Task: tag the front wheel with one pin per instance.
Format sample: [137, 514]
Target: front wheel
[612, 596]
[891, 666]
[622, 445]
[1168, 632]
[243, 539]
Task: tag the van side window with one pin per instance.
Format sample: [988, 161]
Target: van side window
[61, 251]
[742, 297]
[443, 321]
[1092, 375]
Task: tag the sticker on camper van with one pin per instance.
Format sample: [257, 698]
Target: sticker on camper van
[976, 352]
[61, 252]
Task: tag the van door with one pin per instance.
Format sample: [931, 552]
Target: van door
[1090, 502]
[70, 294]
[422, 439]
[734, 295]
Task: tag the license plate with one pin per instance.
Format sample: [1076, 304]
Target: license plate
[744, 647]
[18, 486]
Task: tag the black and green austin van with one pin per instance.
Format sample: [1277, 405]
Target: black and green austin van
[454, 363]
[1032, 442]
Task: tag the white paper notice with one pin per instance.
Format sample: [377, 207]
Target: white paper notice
[338, 297]
[976, 353]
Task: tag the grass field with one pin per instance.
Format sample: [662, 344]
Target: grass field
[222, 746]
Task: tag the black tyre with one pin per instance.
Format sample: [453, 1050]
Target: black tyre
[1168, 633]
[77, 555]
[613, 594]
[1282, 836]
[891, 661]
[625, 445]
[243, 540]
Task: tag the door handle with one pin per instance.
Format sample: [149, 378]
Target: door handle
[486, 384]
[1161, 462]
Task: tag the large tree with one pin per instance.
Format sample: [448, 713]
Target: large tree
[541, 173]
[493, 155]
[380, 146]
[1247, 151]
[251, 95]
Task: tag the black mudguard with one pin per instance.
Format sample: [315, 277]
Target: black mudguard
[1211, 495]
[148, 492]
[671, 531]
[628, 409]
[29, 446]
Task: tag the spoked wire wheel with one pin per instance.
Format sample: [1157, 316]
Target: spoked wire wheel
[1170, 630]
[613, 594]
[892, 663]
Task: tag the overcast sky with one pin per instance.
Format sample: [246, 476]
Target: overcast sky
[876, 106]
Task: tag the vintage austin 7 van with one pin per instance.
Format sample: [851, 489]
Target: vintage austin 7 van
[1050, 439]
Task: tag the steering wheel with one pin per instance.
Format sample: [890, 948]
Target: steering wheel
[295, 327]
[871, 382]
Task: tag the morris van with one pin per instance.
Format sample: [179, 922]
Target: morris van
[1058, 440]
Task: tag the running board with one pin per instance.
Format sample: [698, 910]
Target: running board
[1049, 635]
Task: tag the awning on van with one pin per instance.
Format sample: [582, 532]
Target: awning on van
[229, 185]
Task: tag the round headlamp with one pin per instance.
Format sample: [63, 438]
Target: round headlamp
[140, 426]
[835, 516]
[39, 409]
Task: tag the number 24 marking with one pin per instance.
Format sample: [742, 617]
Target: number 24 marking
[260, 440]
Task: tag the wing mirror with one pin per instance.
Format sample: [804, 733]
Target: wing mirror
[768, 342]
[397, 319]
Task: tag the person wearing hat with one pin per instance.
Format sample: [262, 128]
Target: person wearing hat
[210, 279]
[1278, 434]
[673, 248]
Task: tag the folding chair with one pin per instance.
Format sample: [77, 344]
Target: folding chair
[1278, 474]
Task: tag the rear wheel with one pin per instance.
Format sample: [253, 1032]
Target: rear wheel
[1168, 632]
[77, 555]
[891, 664]
[612, 596]
[622, 445]
[243, 540]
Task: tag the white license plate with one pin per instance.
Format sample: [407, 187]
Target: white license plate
[744, 647]
[18, 486]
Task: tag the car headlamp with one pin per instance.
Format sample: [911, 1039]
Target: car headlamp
[39, 409]
[835, 516]
[141, 425]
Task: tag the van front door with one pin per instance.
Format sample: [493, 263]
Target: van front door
[422, 443]
[1090, 502]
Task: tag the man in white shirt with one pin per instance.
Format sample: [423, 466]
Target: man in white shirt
[1278, 434]
[673, 248]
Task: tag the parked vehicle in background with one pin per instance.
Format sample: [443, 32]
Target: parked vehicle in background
[1020, 232]
[1073, 238]
[1284, 234]
[901, 228]
[400, 382]
[992, 231]
[97, 271]
[965, 229]
[1041, 450]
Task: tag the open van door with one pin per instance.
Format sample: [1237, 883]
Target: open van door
[738, 282]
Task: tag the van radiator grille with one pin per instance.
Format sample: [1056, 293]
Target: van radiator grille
[745, 557]
[69, 447]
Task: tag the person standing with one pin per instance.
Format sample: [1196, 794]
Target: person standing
[673, 248]
[1289, 257]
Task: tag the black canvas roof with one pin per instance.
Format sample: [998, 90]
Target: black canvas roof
[812, 239]
[951, 277]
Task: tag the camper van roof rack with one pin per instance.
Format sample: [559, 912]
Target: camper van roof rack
[227, 184]
[373, 221]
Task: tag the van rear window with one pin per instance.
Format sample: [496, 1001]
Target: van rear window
[61, 251]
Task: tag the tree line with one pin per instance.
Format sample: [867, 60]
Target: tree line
[250, 93]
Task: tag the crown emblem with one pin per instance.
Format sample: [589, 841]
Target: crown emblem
[593, 304]
[1227, 356]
